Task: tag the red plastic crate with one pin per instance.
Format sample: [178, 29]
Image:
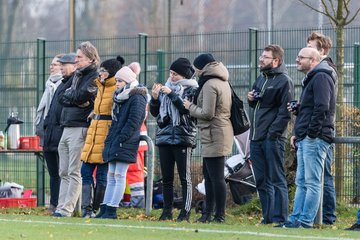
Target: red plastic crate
[30, 142]
[17, 202]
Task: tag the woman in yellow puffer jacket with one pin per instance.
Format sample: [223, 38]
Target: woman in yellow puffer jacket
[93, 192]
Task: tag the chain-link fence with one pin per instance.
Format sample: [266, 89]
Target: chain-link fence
[24, 70]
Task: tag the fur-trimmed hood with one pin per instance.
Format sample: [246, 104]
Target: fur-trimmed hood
[142, 90]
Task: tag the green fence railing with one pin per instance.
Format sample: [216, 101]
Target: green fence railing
[23, 71]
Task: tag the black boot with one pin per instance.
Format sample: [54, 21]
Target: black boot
[218, 219]
[86, 204]
[166, 214]
[205, 218]
[110, 213]
[219, 213]
[206, 212]
[102, 211]
[183, 216]
[98, 197]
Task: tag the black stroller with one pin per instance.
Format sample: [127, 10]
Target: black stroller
[238, 173]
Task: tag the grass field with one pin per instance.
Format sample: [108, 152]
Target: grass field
[133, 224]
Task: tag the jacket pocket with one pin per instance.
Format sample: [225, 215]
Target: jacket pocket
[270, 94]
[206, 135]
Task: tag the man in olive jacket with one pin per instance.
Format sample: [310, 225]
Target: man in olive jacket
[271, 92]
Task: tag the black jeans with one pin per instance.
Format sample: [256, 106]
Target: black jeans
[215, 186]
[52, 162]
[169, 155]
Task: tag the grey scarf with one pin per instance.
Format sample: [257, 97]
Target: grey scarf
[167, 108]
[120, 96]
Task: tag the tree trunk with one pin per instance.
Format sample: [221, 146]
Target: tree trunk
[340, 150]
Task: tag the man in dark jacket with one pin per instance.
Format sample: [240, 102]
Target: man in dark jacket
[53, 129]
[314, 132]
[271, 92]
[323, 44]
[78, 102]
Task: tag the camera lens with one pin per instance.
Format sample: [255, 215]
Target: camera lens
[294, 105]
[257, 96]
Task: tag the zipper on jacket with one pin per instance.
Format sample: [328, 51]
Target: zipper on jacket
[258, 106]
[92, 145]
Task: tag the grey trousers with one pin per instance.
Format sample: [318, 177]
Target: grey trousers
[70, 147]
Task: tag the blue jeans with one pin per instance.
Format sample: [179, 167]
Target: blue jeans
[268, 164]
[358, 217]
[329, 197]
[311, 156]
[116, 183]
[87, 171]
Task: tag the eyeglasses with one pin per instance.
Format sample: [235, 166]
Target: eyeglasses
[54, 64]
[265, 57]
[102, 70]
[299, 57]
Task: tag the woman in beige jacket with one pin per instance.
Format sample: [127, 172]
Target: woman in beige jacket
[211, 107]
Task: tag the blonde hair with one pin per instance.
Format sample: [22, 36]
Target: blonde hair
[90, 51]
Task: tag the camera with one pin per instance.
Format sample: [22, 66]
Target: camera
[258, 96]
[189, 95]
[294, 105]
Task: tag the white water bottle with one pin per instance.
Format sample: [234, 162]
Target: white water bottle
[2, 141]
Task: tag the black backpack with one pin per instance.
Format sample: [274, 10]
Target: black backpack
[239, 118]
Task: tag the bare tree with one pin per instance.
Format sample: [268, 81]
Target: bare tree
[340, 15]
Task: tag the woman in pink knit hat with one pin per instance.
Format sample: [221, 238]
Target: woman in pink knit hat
[122, 142]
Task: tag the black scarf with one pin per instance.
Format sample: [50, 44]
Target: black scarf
[202, 80]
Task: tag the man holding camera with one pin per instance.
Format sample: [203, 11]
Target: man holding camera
[323, 44]
[314, 132]
[271, 92]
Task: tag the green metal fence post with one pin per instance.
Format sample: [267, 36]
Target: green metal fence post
[160, 66]
[40, 74]
[143, 57]
[253, 39]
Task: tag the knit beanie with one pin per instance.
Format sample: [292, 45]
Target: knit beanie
[112, 65]
[128, 73]
[202, 60]
[182, 66]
